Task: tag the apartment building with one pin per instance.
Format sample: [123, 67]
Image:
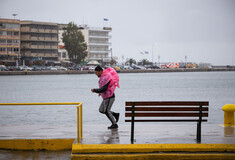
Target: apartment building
[9, 41]
[98, 43]
[39, 42]
[32, 42]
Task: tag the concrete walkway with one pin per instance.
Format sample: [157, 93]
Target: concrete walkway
[156, 133]
[145, 133]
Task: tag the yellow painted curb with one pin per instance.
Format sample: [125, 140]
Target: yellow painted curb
[158, 156]
[149, 148]
[36, 144]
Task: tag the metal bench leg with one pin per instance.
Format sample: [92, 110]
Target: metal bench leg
[199, 124]
[132, 122]
[198, 132]
[132, 132]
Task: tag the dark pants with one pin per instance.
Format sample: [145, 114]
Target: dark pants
[105, 108]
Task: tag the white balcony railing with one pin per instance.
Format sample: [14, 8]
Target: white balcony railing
[106, 51]
[103, 36]
[99, 44]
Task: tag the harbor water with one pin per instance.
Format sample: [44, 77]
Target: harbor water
[216, 87]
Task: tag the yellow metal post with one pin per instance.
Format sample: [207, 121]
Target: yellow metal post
[78, 125]
[229, 110]
[81, 127]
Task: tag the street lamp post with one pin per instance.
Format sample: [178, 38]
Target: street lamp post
[14, 15]
[159, 60]
[123, 60]
[185, 61]
[18, 60]
[152, 52]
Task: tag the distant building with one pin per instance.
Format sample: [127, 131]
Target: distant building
[39, 42]
[9, 41]
[204, 65]
[191, 65]
[98, 43]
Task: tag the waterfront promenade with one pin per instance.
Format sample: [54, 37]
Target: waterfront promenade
[217, 139]
[145, 133]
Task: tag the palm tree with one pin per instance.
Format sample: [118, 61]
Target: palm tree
[144, 62]
[131, 61]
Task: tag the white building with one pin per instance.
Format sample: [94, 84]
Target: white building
[98, 43]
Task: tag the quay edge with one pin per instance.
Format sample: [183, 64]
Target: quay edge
[36, 144]
[119, 71]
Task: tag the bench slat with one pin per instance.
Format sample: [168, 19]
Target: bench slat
[166, 120]
[167, 114]
[167, 108]
[166, 103]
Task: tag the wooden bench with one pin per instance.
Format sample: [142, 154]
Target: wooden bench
[179, 111]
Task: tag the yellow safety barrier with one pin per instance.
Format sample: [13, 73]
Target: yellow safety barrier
[229, 110]
[79, 113]
[36, 144]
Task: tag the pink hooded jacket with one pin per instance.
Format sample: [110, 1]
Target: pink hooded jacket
[111, 75]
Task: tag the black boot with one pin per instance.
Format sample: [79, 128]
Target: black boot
[116, 115]
[113, 126]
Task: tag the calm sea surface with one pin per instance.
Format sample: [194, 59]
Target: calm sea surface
[216, 87]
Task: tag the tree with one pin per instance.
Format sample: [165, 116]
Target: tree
[144, 61]
[131, 61]
[74, 43]
[113, 61]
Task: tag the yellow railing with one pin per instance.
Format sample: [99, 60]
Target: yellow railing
[79, 113]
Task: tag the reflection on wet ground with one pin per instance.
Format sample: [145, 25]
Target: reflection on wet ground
[158, 133]
[35, 155]
[229, 131]
[110, 137]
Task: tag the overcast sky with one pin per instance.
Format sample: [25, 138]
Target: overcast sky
[202, 30]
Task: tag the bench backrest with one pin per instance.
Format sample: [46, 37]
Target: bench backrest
[174, 109]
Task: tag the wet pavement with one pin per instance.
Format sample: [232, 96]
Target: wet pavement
[150, 133]
[145, 133]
